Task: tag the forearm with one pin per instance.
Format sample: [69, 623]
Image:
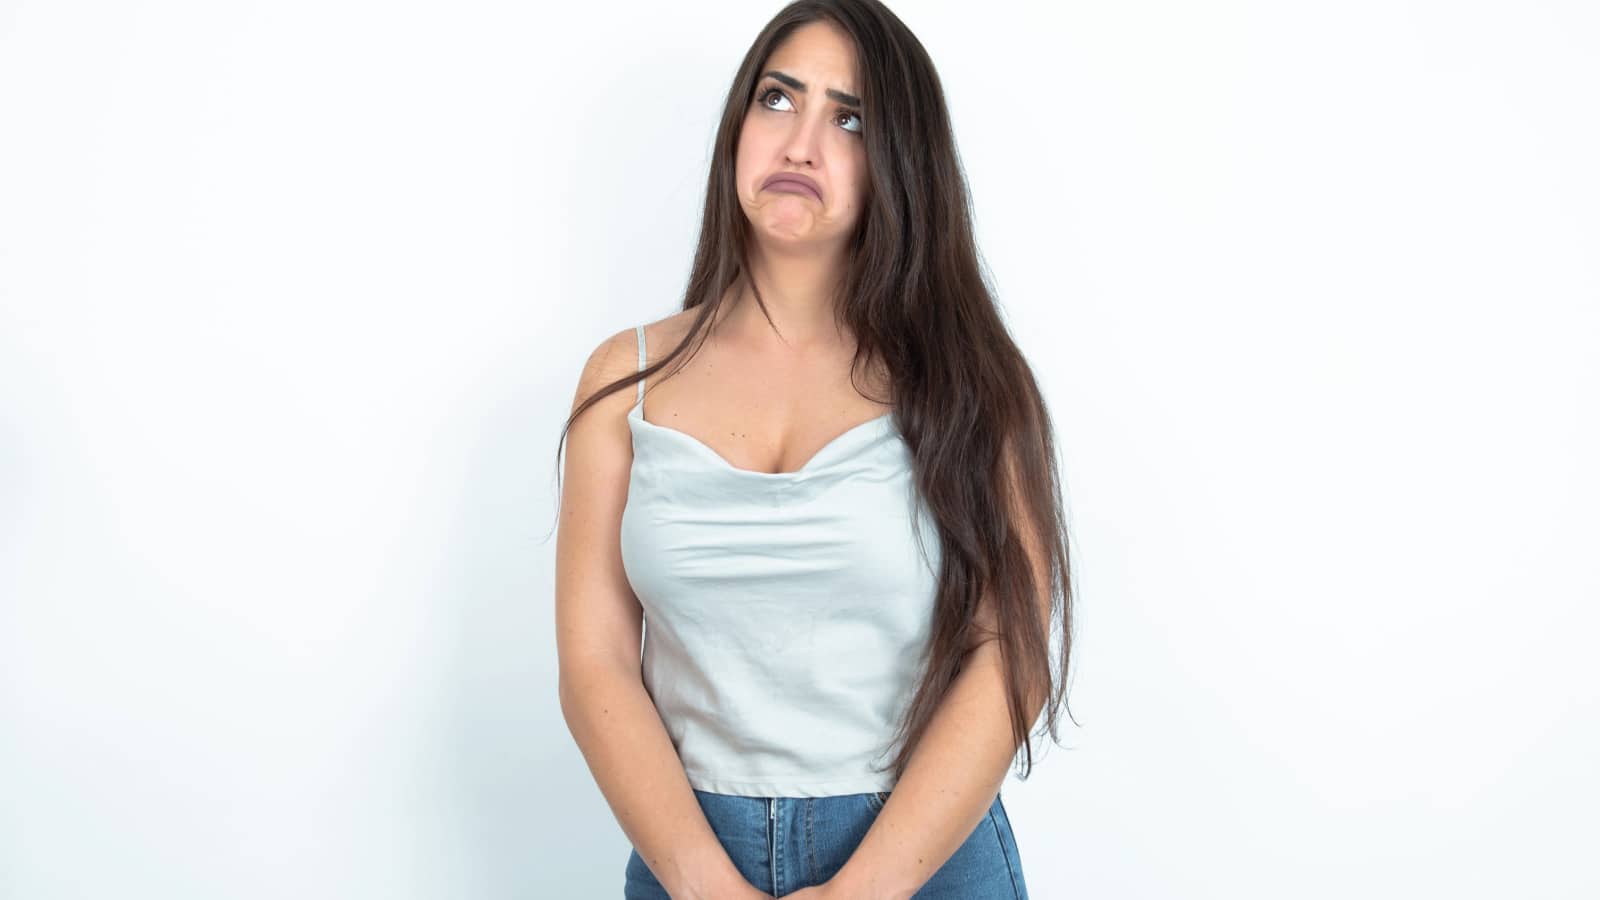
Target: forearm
[627, 748]
[950, 781]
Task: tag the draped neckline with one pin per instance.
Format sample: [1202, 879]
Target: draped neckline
[837, 445]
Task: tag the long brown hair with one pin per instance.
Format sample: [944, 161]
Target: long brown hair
[914, 295]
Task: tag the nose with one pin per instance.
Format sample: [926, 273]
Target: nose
[802, 145]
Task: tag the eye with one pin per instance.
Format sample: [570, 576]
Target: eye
[765, 96]
[762, 97]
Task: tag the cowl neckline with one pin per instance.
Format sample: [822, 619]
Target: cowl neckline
[837, 449]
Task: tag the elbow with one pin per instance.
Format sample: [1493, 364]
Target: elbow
[578, 683]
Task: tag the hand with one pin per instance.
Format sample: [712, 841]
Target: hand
[834, 888]
[731, 887]
[740, 890]
[825, 891]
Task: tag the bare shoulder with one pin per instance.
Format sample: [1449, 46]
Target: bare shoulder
[618, 354]
[665, 333]
[598, 448]
[660, 338]
[614, 358]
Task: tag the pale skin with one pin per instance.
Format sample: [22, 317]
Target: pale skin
[798, 248]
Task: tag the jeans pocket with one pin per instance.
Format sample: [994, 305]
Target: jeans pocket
[876, 799]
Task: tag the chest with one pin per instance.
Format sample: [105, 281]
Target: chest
[763, 419]
[845, 536]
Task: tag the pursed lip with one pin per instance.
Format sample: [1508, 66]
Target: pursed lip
[794, 178]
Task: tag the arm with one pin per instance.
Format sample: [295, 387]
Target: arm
[949, 782]
[632, 759]
[957, 769]
[598, 628]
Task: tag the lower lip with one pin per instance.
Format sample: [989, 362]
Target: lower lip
[789, 187]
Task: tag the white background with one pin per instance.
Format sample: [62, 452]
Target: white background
[293, 301]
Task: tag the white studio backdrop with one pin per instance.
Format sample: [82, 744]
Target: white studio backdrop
[293, 301]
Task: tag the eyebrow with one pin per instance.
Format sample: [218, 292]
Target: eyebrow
[797, 84]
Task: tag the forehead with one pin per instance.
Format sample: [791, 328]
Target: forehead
[818, 51]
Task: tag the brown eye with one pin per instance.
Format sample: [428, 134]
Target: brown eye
[762, 98]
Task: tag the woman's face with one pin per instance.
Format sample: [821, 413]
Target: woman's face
[804, 120]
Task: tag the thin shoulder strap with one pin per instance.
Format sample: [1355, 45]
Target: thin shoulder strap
[639, 329]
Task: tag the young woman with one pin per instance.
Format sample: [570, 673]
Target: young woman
[838, 526]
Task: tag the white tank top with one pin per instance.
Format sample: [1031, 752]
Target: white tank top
[786, 614]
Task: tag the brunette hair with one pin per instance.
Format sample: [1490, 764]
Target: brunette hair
[914, 294]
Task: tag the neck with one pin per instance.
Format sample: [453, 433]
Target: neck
[797, 291]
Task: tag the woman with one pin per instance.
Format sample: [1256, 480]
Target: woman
[828, 574]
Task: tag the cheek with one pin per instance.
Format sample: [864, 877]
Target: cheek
[746, 157]
[857, 180]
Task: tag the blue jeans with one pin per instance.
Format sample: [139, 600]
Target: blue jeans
[782, 844]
